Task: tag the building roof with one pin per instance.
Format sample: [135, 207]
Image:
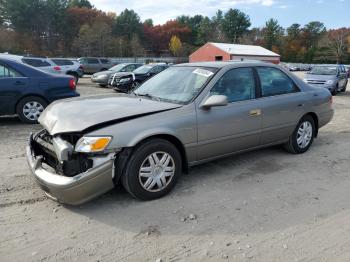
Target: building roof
[221, 64]
[252, 50]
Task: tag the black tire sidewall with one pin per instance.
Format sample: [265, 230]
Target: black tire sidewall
[131, 175]
[295, 145]
[21, 104]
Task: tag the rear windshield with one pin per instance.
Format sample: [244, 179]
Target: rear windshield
[62, 62]
[35, 62]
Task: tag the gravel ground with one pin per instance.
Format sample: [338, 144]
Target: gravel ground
[266, 205]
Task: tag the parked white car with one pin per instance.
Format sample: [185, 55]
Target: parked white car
[70, 67]
[42, 63]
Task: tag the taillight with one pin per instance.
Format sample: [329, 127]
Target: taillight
[57, 68]
[72, 84]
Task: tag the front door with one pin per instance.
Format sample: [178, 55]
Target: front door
[234, 127]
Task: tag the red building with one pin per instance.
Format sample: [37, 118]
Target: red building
[225, 52]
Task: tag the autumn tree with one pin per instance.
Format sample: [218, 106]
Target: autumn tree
[80, 3]
[175, 45]
[337, 44]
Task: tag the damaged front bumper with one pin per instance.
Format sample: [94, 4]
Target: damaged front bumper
[77, 189]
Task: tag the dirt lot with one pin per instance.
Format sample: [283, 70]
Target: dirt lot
[261, 206]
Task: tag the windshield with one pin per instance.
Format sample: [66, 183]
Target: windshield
[117, 67]
[324, 70]
[176, 84]
[143, 69]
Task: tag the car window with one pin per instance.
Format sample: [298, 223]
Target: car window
[92, 61]
[130, 68]
[158, 69]
[274, 82]
[36, 62]
[62, 62]
[8, 72]
[237, 84]
[104, 61]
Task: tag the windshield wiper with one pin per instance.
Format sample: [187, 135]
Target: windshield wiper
[147, 95]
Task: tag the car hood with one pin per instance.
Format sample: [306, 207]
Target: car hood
[87, 113]
[319, 77]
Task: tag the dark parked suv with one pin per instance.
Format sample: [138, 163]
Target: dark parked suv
[91, 65]
[26, 91]
[127, 81]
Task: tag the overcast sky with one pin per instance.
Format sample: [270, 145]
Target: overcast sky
[333, 13]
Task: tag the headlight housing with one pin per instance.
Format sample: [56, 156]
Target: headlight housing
[330, 82]
[124, 80]
[92, 144]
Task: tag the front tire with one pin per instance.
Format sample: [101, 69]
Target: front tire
[301, 139]
[152, 170]
[30, 108]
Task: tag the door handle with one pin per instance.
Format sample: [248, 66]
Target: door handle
[255, 112]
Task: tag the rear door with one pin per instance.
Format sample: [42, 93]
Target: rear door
[12, 84]
[282, 104]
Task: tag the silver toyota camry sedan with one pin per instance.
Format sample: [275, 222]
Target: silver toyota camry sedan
[184, 116]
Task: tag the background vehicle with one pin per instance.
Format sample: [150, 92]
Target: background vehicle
[69, 67]
[26, 91]
[42, 63]
[92, 65]
[127, 81]
[332, 77]
[102, 78]
[347, 67]
[184, 116]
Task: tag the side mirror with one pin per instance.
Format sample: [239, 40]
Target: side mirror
[215, 100]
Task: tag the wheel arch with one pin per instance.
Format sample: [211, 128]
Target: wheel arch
[126, 153]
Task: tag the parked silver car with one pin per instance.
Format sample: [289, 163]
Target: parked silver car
[332, 77]
[101, 78]
[93, 65]
[184, 116]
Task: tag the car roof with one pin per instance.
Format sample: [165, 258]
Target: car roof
[223, 64]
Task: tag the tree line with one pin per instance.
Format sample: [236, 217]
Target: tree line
[76, 28]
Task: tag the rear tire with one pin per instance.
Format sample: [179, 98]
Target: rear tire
[152, 170]
[335, 91]
[30, 108]
[103, 85]
[344, 88]
[301, 139]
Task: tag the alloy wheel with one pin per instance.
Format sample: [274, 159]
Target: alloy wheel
[304, 134]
